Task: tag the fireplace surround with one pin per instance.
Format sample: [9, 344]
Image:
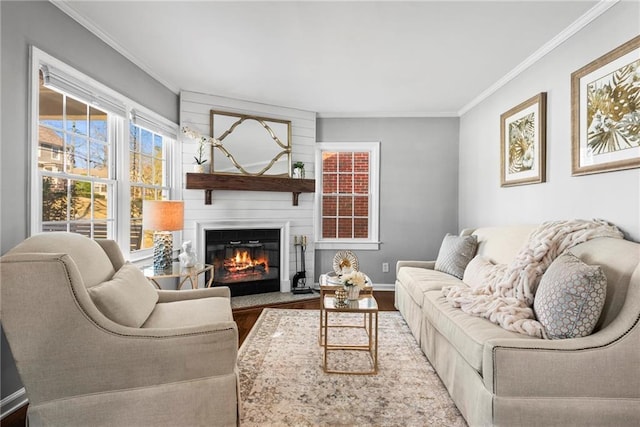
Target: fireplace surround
[252, 255]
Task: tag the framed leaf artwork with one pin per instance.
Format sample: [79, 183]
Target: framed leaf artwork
[605, 112]
[523, 142]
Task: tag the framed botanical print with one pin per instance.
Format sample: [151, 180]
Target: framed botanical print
[523, 142]
[605, 112]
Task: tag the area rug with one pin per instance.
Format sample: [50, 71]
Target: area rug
[282, 382]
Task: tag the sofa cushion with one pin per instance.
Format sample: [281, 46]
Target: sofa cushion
[193, 312]
[570, 297]
[128, 298]
[455, 253]
[466, 333]
[480, 271]
[502, 244]
[418, 280]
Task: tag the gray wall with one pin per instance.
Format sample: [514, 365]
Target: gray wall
[614, 196]
[45, 26]
[418, 187]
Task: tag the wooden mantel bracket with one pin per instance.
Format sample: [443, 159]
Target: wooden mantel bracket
[215, 181]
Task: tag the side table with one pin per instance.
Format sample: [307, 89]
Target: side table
[369, 307]
[182, 273]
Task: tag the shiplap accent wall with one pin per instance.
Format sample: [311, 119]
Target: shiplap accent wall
[252, 206]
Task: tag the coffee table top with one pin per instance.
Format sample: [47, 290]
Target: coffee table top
[364, 304]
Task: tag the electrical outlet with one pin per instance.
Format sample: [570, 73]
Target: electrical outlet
[385, 267]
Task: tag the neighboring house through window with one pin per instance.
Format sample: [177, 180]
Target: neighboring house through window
[77, 188]
[348, 187]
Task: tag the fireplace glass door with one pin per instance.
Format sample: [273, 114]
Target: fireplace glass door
[247, 261]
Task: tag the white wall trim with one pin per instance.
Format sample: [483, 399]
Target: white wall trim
[563, 36]
[352, 244]
[13, 402]
[384, 287]
[67, 7]
[376, 286]
[385, 114]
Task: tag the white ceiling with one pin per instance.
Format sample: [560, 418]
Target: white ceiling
[393, 58]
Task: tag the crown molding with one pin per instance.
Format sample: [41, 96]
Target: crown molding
[67, 7]
[567, 33]
[388, 114]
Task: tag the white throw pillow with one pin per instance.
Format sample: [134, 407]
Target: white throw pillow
[478, 272]
[128, 298]
[455, 253]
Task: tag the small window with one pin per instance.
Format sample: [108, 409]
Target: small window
[347, 185]
[149, 179]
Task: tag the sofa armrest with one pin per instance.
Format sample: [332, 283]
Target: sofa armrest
[171, 296]
[419, 264]
[604, 364]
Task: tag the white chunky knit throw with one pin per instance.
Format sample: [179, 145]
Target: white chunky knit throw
[507, 298]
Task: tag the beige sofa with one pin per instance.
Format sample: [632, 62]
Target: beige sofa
[503, 378]
[96, 344]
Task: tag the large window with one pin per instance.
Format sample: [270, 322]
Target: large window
[348, 195]
[74, 165]
[90, 174]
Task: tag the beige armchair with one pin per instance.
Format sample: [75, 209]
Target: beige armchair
[96, 344]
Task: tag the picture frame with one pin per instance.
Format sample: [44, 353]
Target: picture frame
[523, 132]
[605, 112]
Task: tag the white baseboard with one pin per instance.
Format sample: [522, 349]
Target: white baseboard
[12, 402]
[384, 287]
[376, 287]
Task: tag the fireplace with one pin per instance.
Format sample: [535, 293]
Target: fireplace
[245, 260]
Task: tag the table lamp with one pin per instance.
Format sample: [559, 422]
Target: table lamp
[163, 217]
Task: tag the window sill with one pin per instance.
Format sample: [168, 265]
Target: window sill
[347, 244]
[140, 257]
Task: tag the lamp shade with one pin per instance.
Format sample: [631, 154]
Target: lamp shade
[162, 215]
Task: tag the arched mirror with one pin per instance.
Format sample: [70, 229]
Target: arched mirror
[250, 145]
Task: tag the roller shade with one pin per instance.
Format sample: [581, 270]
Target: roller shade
[60, 81]
[154, 123]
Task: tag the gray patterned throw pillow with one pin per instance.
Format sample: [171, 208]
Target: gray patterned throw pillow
[455, 253]
[570, 297]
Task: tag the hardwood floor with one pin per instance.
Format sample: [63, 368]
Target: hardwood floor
[18, 418]
[245, 319]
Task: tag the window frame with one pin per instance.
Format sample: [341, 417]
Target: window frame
[125, 112]
[165, 188]
[373, 241]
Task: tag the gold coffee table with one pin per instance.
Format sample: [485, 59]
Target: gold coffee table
[330, 290]
[368, 306]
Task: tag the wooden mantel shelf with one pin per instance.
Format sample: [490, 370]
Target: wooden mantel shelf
[214, 181]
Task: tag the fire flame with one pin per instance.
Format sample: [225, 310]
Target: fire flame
[241, 261]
